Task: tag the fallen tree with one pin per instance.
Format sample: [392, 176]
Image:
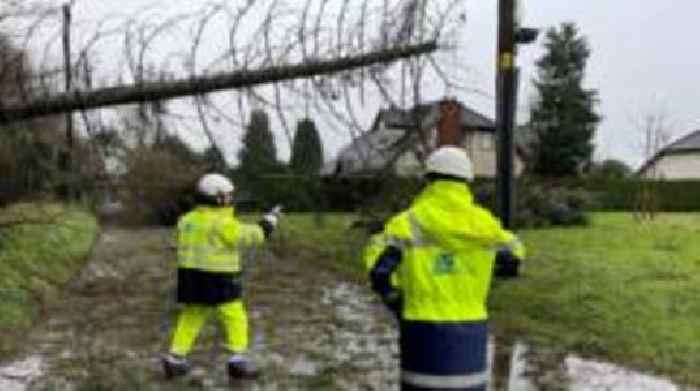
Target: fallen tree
[161, 90]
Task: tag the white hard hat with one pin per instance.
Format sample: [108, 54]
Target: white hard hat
[214, 184]
[450, 160]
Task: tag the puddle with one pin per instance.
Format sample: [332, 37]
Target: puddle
[363, 338]
[568, 372]
[588, 375]
[16, 375]
[365, 343]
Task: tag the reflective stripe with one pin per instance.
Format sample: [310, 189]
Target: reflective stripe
[446, 381]
[418, 239]
[398, 243]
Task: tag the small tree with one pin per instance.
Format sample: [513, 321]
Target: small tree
[213, 160]
[258, 154]
[306, 160]
[160, 180]
[307, 151]
[563, 118]
[258, 157]
[655, 137]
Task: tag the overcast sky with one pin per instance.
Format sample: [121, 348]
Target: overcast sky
[645, 59]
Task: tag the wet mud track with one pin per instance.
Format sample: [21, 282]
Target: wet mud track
[309, 328]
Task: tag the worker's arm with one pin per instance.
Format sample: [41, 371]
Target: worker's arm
[381, 278]
[484, 228]
[374, 248]
[234, 233]
[250, 235]
[372, 252]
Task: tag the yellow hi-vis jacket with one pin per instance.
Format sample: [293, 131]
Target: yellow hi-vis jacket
[209, 239]
[448, 247]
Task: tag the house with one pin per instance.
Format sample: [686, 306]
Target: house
[392, 143]
[678, 161]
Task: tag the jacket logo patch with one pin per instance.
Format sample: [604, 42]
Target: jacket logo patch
[444, 264]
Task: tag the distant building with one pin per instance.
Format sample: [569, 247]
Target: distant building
[392, 143]
[679, 160]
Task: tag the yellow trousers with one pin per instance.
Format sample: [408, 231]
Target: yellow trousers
[192, 317]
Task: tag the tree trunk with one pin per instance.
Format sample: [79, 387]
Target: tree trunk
[161, 90]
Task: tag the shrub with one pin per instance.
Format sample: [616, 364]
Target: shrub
[540, 204]
[26, 164]
[159, 186]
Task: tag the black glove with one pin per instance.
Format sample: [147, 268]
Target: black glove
[507, 264]
[269, 221]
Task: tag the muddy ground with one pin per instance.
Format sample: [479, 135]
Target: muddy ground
[310, 330]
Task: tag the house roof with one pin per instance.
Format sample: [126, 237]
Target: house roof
[369, 151]
[373, 150]
[404, 119]
[687, 143]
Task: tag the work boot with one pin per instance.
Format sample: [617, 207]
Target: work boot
[240, 368]
[174, 366]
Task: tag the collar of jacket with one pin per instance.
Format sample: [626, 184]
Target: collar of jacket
[446, 193]
[227, 210]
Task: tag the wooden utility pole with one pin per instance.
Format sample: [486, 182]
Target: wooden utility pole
[510, 35]
[506, 95]
[68, 162]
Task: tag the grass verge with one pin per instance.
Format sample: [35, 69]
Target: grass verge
[41, 247]
[620, 290]
[329, 242]
[617, 290]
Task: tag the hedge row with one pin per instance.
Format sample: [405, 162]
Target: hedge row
[307, 194]
[627, 194]
[367, 193]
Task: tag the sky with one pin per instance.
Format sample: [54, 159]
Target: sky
[644, 60]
